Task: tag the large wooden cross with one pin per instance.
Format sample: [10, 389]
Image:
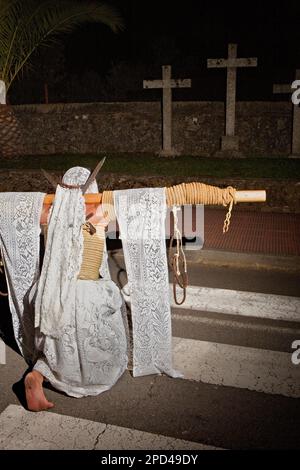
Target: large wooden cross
[167, 84]
[284, 89]
[230, 140]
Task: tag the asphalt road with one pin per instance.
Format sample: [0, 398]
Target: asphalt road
[210, 413]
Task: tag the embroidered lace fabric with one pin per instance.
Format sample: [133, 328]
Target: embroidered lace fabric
[89, 354]
[141, 216]
[19, 234]
[55, 299]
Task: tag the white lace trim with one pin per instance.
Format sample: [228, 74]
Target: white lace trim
[19, 234]
[141, 216]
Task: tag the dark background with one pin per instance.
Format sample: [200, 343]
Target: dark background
[94, 64]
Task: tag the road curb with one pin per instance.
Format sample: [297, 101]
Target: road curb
[239, 260]
[245, 260]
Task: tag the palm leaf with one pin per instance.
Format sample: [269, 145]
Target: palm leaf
[27, 25]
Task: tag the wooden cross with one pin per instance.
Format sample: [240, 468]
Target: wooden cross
[2, 92]
[167, 84]
[230, 141]
[287, 88]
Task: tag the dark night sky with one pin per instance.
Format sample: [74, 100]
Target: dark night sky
[184, 34]
[202, 27]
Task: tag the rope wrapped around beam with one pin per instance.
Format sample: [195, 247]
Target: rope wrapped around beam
[199, 193]
[186, 193]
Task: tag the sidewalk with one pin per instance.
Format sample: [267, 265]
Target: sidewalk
[261, 240]
[253, 232]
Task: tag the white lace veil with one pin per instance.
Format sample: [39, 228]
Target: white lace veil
[79, 175]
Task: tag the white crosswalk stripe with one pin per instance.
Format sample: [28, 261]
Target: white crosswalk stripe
[20, 429]
[233, 302]
[251, 304]
[237, 366]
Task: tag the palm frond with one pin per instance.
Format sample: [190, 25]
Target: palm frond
[27, 25]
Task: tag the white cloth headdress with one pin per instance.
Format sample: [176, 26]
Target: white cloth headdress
[79, 175]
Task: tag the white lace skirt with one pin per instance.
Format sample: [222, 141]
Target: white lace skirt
[91, 354]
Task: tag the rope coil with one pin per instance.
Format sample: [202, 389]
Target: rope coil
[179, 256]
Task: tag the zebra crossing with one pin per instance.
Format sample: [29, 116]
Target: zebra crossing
[241, 367]
[261, 370]
[256, 369]
[232, 302]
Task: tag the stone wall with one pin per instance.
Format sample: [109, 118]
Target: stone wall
[264, 128]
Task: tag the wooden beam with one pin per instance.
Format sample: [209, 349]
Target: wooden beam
[240, 196]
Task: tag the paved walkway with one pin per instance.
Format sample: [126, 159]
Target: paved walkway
[253, 232]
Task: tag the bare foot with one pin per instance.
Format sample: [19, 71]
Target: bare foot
[35, 397]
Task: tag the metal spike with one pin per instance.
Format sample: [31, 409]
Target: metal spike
[52, 180]
[93, 175]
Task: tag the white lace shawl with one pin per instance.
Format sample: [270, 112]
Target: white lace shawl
[20, 246]
[141, 216]
[55, 300]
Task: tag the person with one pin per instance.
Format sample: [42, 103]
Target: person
[69, 321]
[89, 355]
